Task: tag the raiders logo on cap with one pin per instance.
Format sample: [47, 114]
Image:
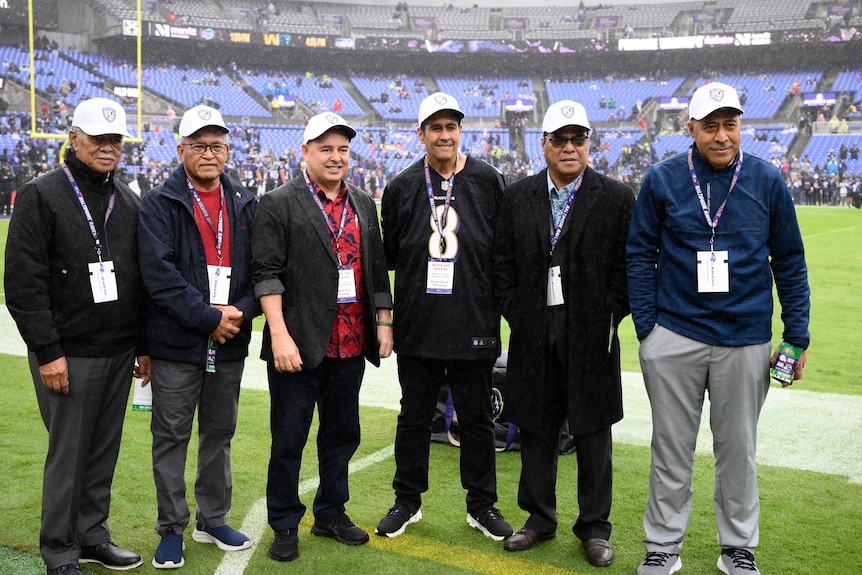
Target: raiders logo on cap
[109, 113]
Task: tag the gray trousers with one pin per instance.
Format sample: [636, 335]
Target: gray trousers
[178, 390]
[84, 431]
[677, 372]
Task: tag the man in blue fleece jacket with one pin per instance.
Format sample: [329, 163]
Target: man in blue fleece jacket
[711, 229]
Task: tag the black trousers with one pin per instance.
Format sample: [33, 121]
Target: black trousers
[470, 383]
[540, 448]
[333, 387]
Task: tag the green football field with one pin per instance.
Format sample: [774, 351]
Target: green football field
[810, 468]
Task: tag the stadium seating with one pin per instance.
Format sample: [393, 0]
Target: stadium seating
[372, 88]
[190, 86]
[617, 93]
[765, 93]
[481, 97]
[50, 71]
[317, 91]
[819, 149]
[449, 22]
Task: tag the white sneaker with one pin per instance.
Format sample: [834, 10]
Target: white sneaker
[658, 563]
[735, 561]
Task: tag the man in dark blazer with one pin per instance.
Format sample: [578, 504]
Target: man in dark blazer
[321, 277]
[559, 260]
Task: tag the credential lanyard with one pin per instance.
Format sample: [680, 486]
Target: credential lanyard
[217, 230]
[334, 232]
[87, 215]
[712, 222]
[557, 230]
[448, 186]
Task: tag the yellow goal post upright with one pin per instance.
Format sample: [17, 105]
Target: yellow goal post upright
[34, 133]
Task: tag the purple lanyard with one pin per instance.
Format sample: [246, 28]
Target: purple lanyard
[712, 223]
[448, 186]
[219, 232]
[335, 233]
[555, 233]
[87, 211]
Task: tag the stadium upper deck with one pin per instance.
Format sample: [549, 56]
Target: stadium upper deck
[512, 22]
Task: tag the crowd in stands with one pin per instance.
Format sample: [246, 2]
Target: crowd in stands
[624, 144]
[379, 153]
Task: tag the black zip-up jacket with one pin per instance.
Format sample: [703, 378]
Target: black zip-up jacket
[48, 251]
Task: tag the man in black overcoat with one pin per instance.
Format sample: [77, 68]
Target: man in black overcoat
[559, 261]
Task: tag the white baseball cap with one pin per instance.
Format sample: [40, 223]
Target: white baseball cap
[99, 116]
[322, 123]
[201, 117]
[711, 97]
[437, 102]
[564, 113]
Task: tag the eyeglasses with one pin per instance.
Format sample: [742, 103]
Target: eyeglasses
[561, 141]
[199, 148]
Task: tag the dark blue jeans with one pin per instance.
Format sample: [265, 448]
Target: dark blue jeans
[334, 387]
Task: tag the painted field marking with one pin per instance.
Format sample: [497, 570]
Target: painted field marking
[255, 522]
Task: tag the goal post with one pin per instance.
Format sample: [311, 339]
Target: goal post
[34, 132]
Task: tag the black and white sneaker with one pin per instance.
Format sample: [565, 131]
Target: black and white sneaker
[491, 523]
[397, 520]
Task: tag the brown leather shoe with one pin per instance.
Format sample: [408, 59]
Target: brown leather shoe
[599, 552]
[526, 539]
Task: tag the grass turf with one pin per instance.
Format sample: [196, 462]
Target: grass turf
[809, 523]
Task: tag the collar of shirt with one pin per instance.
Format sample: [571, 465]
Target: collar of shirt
[342, 191]
[558, 198]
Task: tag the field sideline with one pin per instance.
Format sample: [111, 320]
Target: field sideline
[809, 451]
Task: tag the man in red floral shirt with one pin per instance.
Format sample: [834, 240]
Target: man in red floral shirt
[321, 277]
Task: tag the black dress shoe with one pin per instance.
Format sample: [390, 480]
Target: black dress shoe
[599, 552]
[110, 556]
[65, 570]
[526, 539]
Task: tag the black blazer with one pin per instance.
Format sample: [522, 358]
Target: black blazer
[292, 255]
[591, 253]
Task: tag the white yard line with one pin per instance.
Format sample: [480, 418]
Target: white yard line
[255, 522]
[798, 429]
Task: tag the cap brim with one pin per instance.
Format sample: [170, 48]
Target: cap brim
[458, 113]
[99, 131]
[346, 130]
[702, 116]
[187, 133]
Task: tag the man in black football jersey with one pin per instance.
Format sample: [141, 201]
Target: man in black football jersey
[438, 218]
